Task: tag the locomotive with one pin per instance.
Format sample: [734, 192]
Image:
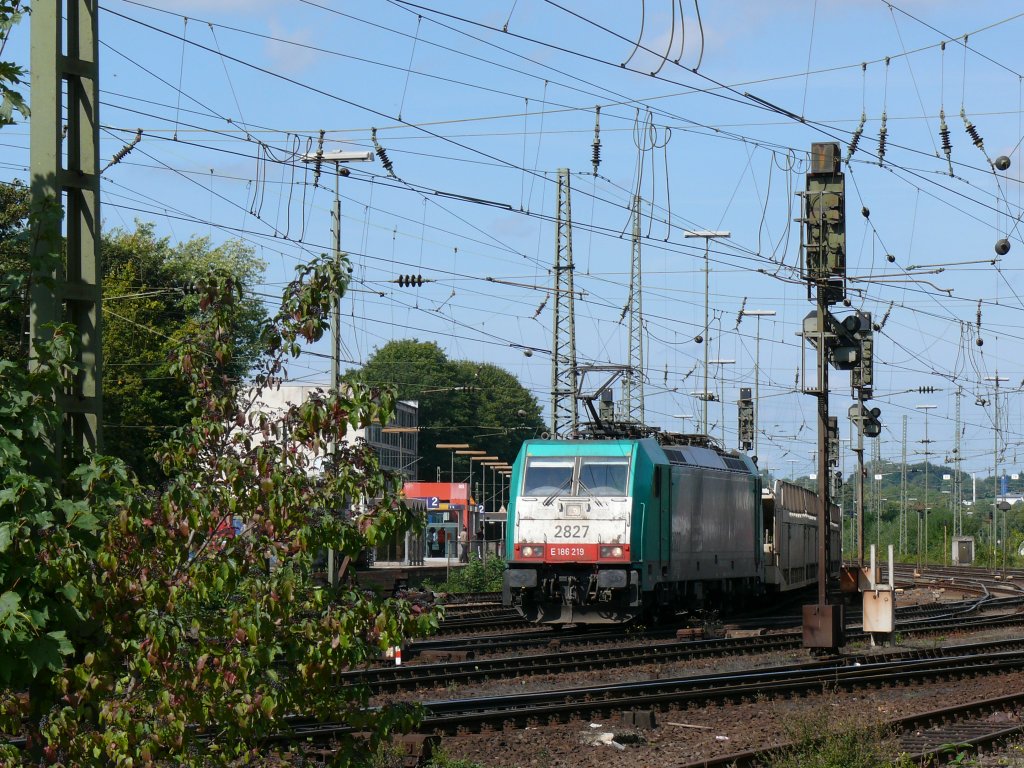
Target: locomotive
[608, 531]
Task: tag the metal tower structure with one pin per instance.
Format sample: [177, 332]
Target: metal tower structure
[903, 491]
[876, 488]
[633, 381]
[66, 172]
[563, 347]
[957, 495]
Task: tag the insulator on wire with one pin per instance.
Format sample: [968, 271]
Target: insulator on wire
[596, 146]
[540, 308]
[947, 145]
[410, 281]
[382, 154]
[979, 315]
[123, 152]
[856, 137]
[319, 159]
[885, 317]
[882, 133]
[972, 131]
[739, 315]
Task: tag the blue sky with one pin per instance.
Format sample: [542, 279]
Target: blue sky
[477, 120]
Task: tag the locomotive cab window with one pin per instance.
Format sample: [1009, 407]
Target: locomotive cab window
[545, 476]
[576, 476]
[603, 476]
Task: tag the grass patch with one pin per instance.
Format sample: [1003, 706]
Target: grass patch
[820, 740]
[479, 575]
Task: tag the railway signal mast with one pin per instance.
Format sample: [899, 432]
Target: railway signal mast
[848, 345]
[823, 268]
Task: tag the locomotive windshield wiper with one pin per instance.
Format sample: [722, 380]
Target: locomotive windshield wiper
[565, 484]
[584, 490]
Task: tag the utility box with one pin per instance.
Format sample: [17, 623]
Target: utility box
[879, 613]
[963, 550]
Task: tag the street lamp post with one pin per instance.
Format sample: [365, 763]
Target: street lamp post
[453, 447]
[708, 235]
[494, 466]
[927, 442]
[339, 158]
[758, 313]
[684, 417]
[473, 455]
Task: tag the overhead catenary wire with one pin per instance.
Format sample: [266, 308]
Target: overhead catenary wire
[369, 178]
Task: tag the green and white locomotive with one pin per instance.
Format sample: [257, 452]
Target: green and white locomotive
[608, 531]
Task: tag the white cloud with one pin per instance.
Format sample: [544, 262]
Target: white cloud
[289, 59]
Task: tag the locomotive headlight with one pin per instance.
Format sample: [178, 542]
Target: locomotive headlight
[610, 552]
[532, 551]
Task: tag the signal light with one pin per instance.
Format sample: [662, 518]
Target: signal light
[745, 413]
[866, 419]
[409, 281]
[832, 441]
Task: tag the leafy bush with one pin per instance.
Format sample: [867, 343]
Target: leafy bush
[144, 628]
[479, 575]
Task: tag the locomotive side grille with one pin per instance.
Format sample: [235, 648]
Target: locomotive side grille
[733, 463]
[674, 456]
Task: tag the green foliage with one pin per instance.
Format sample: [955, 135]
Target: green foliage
[442, 760]
[142, 629]
[479, 575]
[460, 401]
[14, 271]
[821, 740]
[11, 75]
[149, 309]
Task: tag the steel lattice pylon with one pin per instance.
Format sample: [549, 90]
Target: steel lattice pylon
[903, 492]
[563, 347]
[65, 171]
[633, 381]
[956, 497]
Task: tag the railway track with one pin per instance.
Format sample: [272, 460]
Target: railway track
[410, 677]
[481, 612]
[537, 708]
[452, 645]
[924, 738]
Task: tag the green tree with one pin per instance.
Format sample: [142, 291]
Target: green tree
[11, 75]
[145, 631]
[149, 308]
[459, 401]
[14, 247]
